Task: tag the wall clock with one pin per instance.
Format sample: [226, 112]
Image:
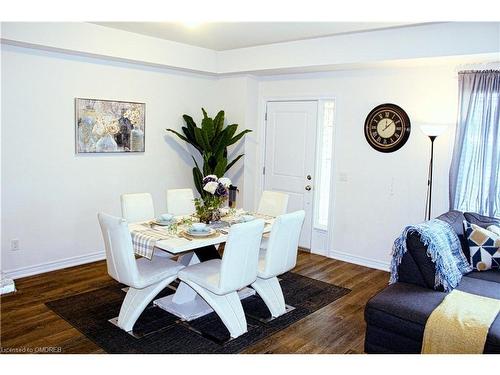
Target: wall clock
[387, 127]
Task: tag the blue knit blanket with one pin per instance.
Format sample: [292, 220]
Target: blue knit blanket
[443, 247]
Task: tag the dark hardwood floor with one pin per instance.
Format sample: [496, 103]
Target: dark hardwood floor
[337, 328]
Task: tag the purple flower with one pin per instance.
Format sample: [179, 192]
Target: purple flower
[209, 178]
[221, 191]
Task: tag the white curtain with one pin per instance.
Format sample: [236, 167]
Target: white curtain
[474, 173]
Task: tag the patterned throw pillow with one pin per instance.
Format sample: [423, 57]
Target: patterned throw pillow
[494, 228]
[484, 247]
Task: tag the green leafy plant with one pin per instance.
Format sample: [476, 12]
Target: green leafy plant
[206, 207]
[211, 140]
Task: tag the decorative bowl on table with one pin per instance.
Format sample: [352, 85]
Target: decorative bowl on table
[164, 220]
[246, 218]
[197, 230]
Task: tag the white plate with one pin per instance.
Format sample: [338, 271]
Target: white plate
[162, 223]
[194, 233]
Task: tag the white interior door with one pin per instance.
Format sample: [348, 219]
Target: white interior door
[290, 154]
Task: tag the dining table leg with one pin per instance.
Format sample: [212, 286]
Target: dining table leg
[207, 253]
[185, 303]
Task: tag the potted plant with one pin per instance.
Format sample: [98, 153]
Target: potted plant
[211, 140]
[216, 192]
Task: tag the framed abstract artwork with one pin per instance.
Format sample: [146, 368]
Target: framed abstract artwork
[107, 126]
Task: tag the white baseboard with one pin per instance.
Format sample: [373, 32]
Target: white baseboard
[54, 265]
[93, 257]
[362, 261]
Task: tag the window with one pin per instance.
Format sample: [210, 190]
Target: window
[324, 163]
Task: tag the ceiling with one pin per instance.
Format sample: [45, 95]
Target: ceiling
[221, 36]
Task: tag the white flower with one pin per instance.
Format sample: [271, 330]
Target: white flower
[113, 127]
[134, 114]
[212, 176]
[211, 187]
[225, 181]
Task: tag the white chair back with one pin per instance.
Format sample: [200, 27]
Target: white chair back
[241, 256]
[281, 253]
[273, 203]
[137, 207]
[120, 259]
[180, 202]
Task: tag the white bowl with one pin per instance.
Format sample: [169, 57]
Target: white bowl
[166, 217]
[199, 227]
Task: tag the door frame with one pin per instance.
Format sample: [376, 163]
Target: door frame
[261, 154]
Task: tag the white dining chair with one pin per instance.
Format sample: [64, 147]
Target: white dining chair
[218, 280]
[139, 207]
[272, 203]
[180, 202]
[279, 257]
[145, 278]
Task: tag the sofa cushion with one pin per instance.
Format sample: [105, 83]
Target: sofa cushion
[481, 220]
[490, 275]
[403, 309]
[455, 219]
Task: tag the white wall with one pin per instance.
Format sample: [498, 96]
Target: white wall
[238, 96]
[384, 192]
[50, 196]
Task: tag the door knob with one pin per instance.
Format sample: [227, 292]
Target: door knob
[309, 177]
[308, 187]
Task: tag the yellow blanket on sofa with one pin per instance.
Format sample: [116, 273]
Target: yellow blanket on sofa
[460, 324]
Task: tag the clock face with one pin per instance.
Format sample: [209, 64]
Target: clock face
[387, 128]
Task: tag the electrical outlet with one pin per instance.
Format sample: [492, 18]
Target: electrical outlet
[14, 244]
[343, 177]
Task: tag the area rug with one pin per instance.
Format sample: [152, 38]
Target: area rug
[160, 332]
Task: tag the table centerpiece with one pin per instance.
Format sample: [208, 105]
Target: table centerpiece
[208, 206]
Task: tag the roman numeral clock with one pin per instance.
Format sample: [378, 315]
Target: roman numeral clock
[387, 127]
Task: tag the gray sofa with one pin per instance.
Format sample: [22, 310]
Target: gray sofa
[396, 317]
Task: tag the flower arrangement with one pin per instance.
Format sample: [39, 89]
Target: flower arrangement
[105, 126]
[207, 207]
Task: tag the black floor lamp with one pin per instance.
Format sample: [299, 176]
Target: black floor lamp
[432, 131]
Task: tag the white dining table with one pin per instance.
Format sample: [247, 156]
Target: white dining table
[185, 303]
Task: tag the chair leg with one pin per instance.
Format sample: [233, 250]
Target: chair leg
[227, 306]
[270, 292]
[136, 300]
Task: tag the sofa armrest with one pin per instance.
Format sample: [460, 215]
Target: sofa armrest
[416, 267]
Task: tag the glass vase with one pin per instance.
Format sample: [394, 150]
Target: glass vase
[216, 215]
[137, 140]
[106, 144]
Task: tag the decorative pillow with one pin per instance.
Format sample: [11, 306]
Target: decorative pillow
[480, 220]
[495, 229]
[484, 247]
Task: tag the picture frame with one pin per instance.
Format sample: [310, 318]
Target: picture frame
[109, 126]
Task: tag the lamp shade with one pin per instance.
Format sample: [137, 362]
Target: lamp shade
[433, 130]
